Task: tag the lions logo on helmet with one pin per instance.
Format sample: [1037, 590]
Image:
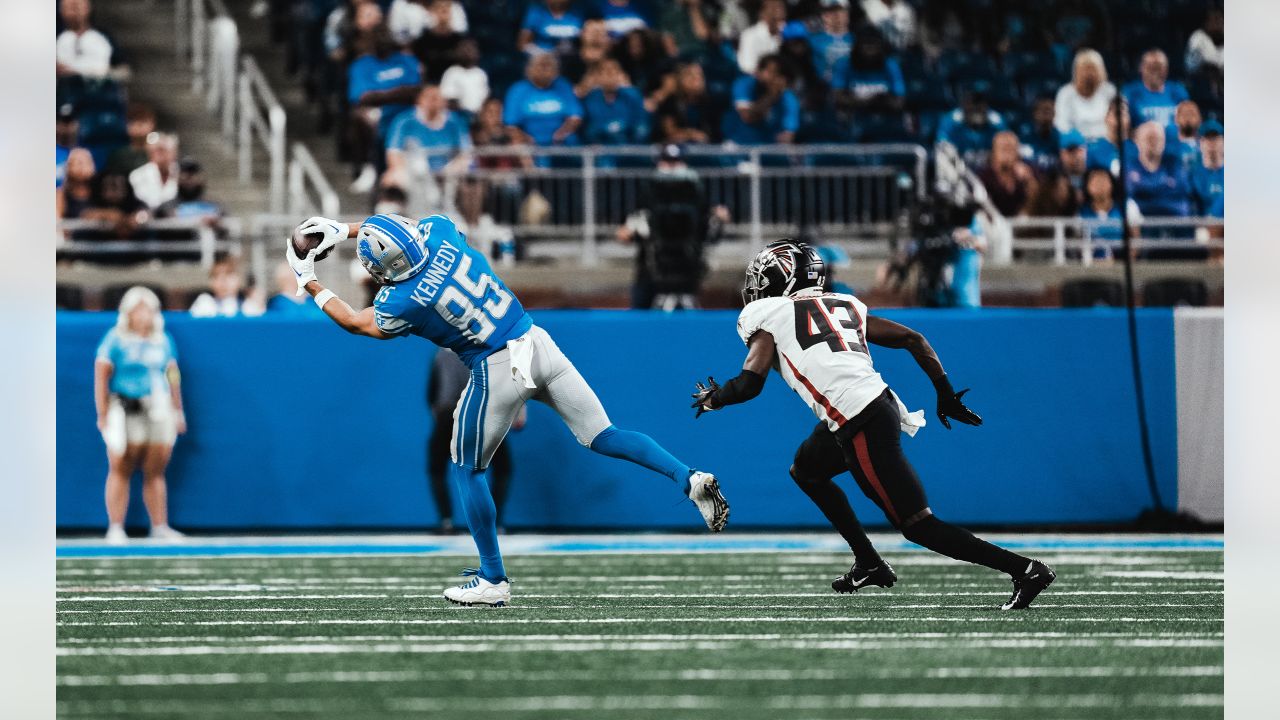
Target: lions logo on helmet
[783, 267]
[391, 248]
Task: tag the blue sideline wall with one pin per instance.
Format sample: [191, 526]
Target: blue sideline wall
[294, 424]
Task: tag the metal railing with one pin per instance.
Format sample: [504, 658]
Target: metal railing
[305, 175]
[839, 192]
[262, 118]
[1076, 239]
[206, 38]
[169, 238]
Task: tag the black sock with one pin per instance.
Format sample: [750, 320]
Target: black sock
[833, 503]
[956, 542]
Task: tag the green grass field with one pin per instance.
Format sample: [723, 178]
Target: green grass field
[1122, 634]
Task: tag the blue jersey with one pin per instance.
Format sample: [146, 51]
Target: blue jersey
[455, 300]
[784, 116]
[541, 111]
[1209, 187]
[1147, 106]
[866, 84]
[827, 51]
[1101, 153]
[551, 31]
[622, 19]
[621, 122]
[138, 363]
[1163, 192]
[409, 130]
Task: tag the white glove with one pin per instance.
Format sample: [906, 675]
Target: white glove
[304, 269]
[333, 232]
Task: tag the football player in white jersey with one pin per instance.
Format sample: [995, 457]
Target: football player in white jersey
[818, 343]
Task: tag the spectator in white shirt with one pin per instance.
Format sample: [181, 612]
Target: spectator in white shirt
[1082, 103]
[408, 19]
[465, 85]
[895, 18]
[226, 297]
[156, 183]
[81, 50]
[1205, 46]
[763, 38]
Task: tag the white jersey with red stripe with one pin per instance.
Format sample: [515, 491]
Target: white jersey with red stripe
[822, 350]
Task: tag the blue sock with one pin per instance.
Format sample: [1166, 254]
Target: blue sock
[482, 518]
[641, 450]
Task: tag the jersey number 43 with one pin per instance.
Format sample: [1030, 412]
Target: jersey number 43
[476, 310]
[829, 320]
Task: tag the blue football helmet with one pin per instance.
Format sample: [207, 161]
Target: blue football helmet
[391, 248]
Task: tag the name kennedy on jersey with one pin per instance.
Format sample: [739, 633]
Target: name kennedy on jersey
[437, 272]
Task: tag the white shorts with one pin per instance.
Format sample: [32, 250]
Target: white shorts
[530, 367]
[124, 429]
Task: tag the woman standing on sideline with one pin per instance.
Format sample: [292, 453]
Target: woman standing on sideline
[136, 391]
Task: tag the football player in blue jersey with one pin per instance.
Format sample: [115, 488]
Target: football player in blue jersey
[437, 287]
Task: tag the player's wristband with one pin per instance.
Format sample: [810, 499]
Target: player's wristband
[324, 296]
[742, 388]
[943, 386]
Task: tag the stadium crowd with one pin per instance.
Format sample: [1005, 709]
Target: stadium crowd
[1021, 89]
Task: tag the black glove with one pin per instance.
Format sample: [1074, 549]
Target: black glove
[703, 394]
[950, 405]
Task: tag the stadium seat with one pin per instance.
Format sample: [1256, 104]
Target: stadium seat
[1172, 292]
[1000, 93]
[1089, 292]
[928, 93]
[959, 66]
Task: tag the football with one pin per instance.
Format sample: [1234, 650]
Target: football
[305, 243]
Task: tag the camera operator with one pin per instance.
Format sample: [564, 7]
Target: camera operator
[945, 246]
[671, 227]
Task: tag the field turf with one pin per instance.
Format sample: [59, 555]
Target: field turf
[1126, 632]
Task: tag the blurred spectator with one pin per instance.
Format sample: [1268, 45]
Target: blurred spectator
[66, 136]
[490, 130]
[971, 128]
[1009, 181]
[465, 85]
[869, 79]
[688, 114]
[286, 302]
[408, 19]
[1040, 138]
[1209, 177]
[391, 200]
[78, 190]
[1100, 204]
[643, 59]
[138, 398]
[734, 19]
[140, 122]
[1184, 136]
[1082, 103]
[429, 128]
[832, 40]
[1104, 151]
[622, 16]
[226, 296]
[614, 111]
[156, 182]
[1073, 158]
[765, 110]
[550, 26]
[381, 84]
[895, 18]
[1158, 184]
[808, 86]
[81, 49]
[1155, 96]
[687, 26]
[764, 37]
[594, 46]
[543, 105]
[351, 30]
[1204, 47]
[1054, 196]
[437, 48]
[191, 202]
[483, 233]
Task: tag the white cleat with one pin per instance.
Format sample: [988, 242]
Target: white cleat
[164, 532]
[116, 535]
[479, 591]
[704, 491]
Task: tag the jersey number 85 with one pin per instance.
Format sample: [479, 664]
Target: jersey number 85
[475, 315]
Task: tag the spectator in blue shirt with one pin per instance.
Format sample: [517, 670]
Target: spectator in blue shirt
[429, 127]
[1208, 179]
[1158, 184]
[1183, 142]
[550, 26]
[765, 110]
[1073, 158]
[1103, 152]
[622, 16]
[380, 85]
[833, 40]
[1100, 204]
[869, 79]
[971, 128]
[614, 111]
[1154, 97]
[543, 106]
[1040, 138]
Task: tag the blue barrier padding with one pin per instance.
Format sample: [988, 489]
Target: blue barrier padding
[295, 424]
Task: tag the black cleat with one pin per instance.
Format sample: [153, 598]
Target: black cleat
[1025, 589]
[857, 578]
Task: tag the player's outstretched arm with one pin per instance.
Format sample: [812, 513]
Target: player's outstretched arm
[356, 323]
[887, 333]
[748, 383]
